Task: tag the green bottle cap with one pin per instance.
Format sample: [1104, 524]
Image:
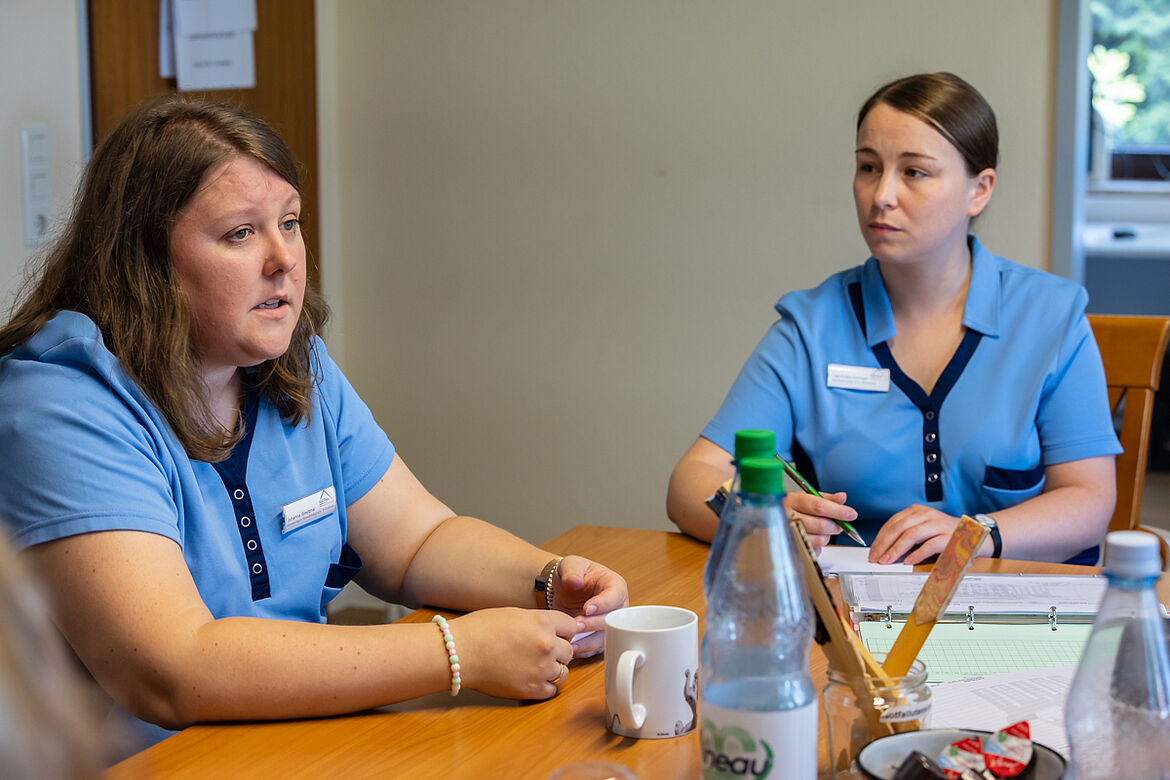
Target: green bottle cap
[750, 443]
[763, 476]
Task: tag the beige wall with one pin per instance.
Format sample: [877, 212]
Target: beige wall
[561, 227]
[553, 231]
[39, 58]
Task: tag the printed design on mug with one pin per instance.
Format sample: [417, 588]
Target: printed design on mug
[718, 743]
[691, 696]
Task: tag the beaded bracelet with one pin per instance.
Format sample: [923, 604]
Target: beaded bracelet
[449, 643]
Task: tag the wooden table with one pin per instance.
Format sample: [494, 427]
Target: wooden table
[478, 736]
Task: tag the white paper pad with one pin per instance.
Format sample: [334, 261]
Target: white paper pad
[834, 559]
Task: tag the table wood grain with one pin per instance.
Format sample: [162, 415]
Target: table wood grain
[477, 736]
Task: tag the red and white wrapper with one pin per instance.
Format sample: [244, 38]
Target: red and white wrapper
[1008, 752]
[967, 753]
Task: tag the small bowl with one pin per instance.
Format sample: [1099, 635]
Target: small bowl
[879, 760]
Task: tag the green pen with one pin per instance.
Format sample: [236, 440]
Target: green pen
[812, 491]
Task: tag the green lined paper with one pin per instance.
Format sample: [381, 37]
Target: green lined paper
[955, 652]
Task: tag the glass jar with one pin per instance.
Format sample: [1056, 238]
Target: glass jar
[859, 710]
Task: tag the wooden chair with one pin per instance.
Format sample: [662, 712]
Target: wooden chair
[1132, 348]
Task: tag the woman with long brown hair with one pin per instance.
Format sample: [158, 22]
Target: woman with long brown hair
[194, 478]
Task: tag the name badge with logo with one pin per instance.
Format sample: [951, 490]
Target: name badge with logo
[875, 380]
[312, 507]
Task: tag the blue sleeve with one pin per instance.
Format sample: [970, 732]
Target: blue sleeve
[364, 449]
[760, 396]
[82, 449]
[1073, 418]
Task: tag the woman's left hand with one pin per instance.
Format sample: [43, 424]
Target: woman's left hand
[587, 591]
[917, 532]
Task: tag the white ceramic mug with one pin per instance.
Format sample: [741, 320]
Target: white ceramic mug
[652, 671]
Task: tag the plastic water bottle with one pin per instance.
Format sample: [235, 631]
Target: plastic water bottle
[759, 708]
[1118, 709]
[749, 443]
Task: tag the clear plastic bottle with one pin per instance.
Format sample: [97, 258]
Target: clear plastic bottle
[759, 707]
[749, 443]
[1118, 709]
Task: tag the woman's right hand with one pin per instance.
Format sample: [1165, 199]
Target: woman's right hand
[817, 514]
[513, 653]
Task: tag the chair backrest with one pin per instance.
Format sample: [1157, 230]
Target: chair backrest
[1132, 348]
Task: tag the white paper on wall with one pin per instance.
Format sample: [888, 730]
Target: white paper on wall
[222, 60]
[207, 44]
[200, 17]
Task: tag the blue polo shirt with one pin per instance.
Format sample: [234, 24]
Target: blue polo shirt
[1025, 390]
[84, 450]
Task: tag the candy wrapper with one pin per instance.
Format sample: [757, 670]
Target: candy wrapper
[1009, 751]
[967, 753]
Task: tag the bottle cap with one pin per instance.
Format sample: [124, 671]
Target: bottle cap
[764, 476]
[1132, 554]
[751, 442]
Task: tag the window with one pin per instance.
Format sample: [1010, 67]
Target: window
[1130, 66]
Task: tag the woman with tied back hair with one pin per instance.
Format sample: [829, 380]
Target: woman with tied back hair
[935, 380]
[195, 479]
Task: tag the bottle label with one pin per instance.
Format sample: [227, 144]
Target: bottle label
[758, 745]
[905, 712]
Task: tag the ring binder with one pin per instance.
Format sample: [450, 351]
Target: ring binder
[1051, 600]
[1025, 621]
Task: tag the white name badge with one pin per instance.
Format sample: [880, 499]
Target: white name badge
[875, 380]
[312, 507]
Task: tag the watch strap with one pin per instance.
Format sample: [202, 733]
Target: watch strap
[544, 583]
[996, 538]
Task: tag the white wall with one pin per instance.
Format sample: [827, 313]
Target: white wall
[561, 227]
[39, 57]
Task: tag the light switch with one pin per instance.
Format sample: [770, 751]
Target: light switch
[37, 198]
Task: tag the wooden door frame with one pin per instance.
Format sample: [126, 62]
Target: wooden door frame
[123, 65]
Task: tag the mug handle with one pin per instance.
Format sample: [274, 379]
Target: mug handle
[632, 715]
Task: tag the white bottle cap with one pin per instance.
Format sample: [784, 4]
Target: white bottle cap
[1132, 554]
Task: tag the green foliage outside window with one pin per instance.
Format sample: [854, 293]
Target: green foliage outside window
[1130, 63]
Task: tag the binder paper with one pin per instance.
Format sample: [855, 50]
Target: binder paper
[993, 596]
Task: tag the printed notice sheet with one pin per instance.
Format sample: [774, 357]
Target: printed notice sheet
[994, 701]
